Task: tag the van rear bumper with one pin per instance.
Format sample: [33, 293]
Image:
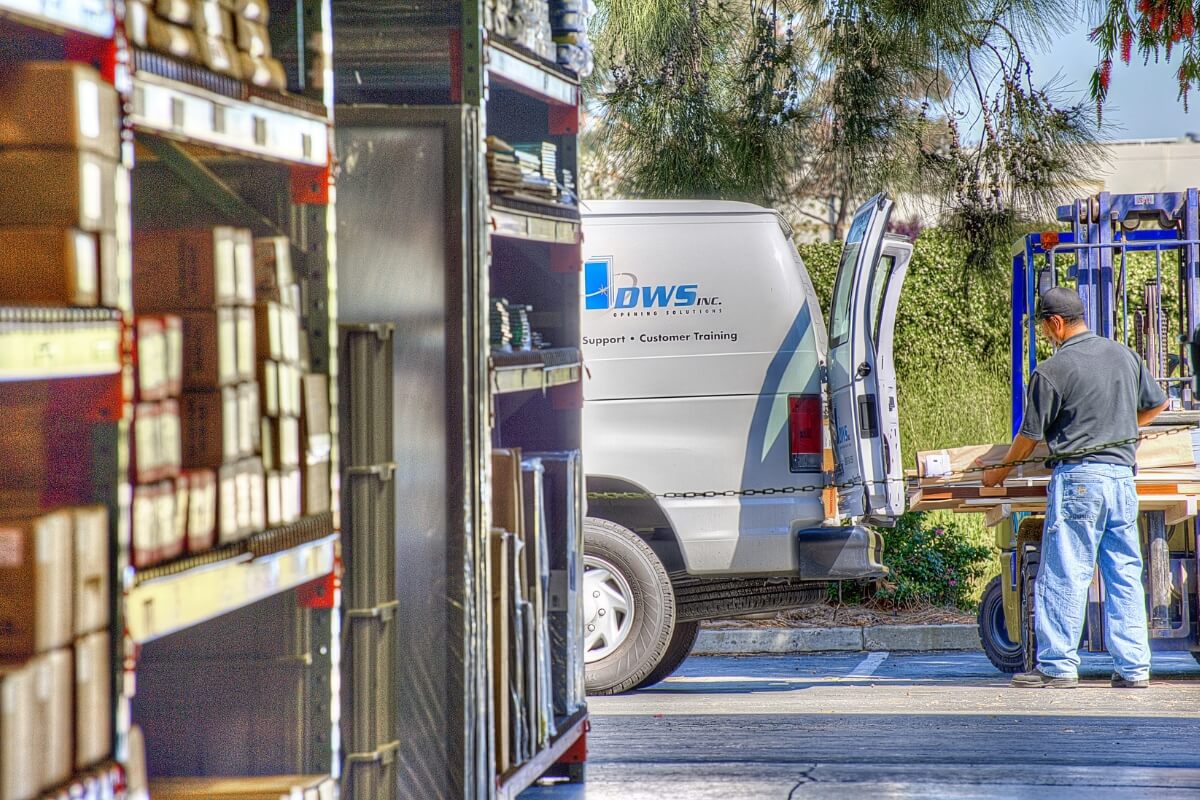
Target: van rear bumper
[839, 554]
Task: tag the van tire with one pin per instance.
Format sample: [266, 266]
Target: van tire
[731, 599]
[652, 604]
[682, 641]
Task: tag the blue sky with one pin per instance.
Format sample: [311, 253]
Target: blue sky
[1142, 102]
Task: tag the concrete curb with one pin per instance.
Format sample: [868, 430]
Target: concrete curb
[748, 641]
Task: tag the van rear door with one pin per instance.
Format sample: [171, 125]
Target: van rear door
[862, 380]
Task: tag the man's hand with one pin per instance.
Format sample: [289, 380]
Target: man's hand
[993, 476]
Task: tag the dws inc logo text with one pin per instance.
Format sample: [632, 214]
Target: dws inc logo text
[605, 290]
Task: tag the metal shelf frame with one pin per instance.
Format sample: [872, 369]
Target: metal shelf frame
[169, 604]
[518, 224]
[513, 69]
[533, 377]
[252, 127]
[520, 778]
[48, 344]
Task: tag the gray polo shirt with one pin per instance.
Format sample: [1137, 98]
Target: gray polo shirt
[1086, 395]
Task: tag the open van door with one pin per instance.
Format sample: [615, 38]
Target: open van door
[862, 379]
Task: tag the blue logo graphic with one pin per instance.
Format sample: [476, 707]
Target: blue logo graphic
[604, 290]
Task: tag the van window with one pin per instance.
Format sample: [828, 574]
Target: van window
[839, 322]
[879, 281]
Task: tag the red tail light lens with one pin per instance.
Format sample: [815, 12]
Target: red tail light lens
[804, 429]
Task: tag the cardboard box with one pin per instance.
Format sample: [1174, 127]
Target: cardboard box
[85, 114]
[145, 456]
[246, 344]
[202, 510]
[184, 268]
[274, 486]
[219, 55]
[289, 330]
[268, 388]
[54, 711]
[144, 551]
[171, 540]
[289, 390]
[137, 22]
[62, 188]
[171, 40]
[173, 330]
[36, 584]
[249, 419]
[507, 506]
[317, 491]
[272, 266]
[267, 448]
[266, 72]
[245, 500]
[253, 38]
[315, 429]
[210, 357]
[150, 358]
[179, 12]
[214, 20]
[41, 265]
[268, 319]
[284, 441]
[183, 503]
[93, 693]
[170, 437]
[290, 494]
[91, 606]
[211, 428]
[253, 469]
[116, 274]
[18, 738]
[254, 10]
[228, 529]
[243, 262]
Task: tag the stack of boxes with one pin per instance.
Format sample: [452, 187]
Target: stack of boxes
[55, 687]
[205, 276]
[277, 317]
[58, 248]
[229, 37]
[58, 209]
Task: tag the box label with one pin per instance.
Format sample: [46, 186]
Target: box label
[88, 95]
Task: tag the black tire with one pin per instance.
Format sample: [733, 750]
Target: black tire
[1029, 570]
[652, 608]
[682, 641]
[706, 599]
[1005, 654]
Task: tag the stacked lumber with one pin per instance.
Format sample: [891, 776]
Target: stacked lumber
[1167, 479]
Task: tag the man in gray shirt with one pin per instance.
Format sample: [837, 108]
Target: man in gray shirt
[1086, 402]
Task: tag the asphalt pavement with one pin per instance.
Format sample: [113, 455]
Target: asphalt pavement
[934, 725]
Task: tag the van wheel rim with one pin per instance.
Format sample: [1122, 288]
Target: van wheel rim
[607, 609]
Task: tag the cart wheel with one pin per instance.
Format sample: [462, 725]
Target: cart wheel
[1005, 654]
[1030, 560]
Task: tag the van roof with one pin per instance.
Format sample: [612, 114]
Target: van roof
[621, 208]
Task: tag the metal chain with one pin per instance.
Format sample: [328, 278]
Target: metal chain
[791, 490]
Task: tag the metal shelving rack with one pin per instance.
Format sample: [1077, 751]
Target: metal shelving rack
[423, 246]
[261, 613]
[216, 138]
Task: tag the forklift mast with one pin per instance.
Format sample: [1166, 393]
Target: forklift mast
[1102, 231]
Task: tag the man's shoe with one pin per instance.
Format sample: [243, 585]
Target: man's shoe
[1123, 683]
[1040, 680]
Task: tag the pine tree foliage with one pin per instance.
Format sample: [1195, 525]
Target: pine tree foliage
[773, 100]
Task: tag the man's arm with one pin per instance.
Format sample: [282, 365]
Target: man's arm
[1149, 415]
[1022, 447]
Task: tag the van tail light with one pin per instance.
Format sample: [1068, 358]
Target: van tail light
[804, 429]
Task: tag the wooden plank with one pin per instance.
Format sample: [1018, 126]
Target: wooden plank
[501, 623]
[997, 514]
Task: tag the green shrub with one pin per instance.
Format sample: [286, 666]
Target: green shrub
[931, 563]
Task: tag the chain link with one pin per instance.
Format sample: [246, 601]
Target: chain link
[792, 490]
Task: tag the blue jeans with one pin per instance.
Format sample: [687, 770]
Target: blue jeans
[1091, 509]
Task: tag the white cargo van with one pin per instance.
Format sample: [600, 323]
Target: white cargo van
[713, 395]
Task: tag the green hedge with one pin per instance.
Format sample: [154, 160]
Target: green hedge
[952, 361]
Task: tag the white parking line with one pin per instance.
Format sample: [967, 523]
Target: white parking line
[868, 666]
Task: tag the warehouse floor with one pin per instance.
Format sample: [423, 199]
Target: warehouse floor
[900, 726]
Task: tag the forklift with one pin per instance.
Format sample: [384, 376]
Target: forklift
[1106, 253]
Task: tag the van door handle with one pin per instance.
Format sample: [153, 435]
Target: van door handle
[864, 369]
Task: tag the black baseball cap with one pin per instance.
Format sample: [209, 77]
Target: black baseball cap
[1060, 302]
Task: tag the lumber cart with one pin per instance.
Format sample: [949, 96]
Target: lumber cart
[1135, 260]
